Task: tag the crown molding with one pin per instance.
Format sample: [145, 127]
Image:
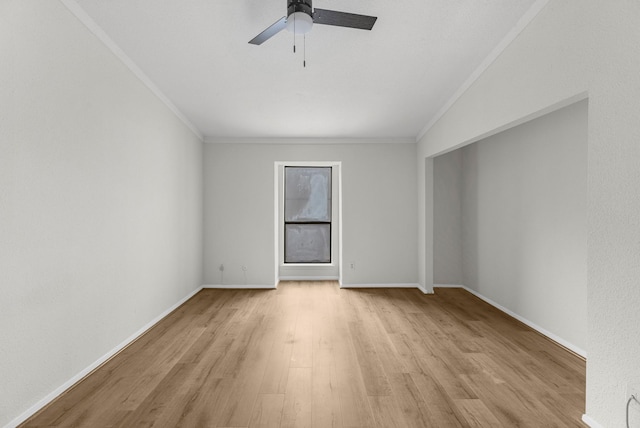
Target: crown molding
[92, 26]
[307, 140]
[522, 23]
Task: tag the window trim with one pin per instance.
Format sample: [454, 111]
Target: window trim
[285, 222]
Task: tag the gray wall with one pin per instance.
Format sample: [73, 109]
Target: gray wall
[510, 221]
[447, 219]
[524, 221]
[573, 49]
[378, 212]
[100, 203]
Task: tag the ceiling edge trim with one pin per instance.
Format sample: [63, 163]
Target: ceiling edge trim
[92, 26]
[522, 23]
[307, 140]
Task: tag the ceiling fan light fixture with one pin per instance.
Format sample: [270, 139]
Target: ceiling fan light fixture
[301, 16]
[299, 23]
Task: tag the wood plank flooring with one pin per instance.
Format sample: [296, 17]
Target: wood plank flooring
[313, 355]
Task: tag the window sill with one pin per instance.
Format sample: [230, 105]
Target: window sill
[290, 265]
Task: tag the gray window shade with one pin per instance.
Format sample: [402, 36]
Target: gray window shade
[307, 194]
[308, 243]
[307, 215]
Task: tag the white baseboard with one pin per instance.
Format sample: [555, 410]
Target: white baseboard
[408, 285]
[448, 286]
[241, 286]
[424, 290]
[78, 377]
[589, 421]
[308, 278]
[525, 321]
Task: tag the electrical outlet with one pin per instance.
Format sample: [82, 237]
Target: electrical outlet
[353, 265]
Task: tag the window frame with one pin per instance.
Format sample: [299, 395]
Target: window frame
[285, 222]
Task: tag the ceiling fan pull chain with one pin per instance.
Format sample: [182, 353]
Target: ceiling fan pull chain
[304, 50]
[294, 34]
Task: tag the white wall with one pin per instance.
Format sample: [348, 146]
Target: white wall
[447, 219]
[378, 212]
[573, 48]
[100, 203]
[524, 218]
[510, 221]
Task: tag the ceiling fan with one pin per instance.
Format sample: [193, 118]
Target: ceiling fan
[301, 17]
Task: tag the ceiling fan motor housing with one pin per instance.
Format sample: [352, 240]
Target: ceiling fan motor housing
[304, 6]
[299, 16]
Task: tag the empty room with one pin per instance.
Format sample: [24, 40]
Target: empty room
[332, 214]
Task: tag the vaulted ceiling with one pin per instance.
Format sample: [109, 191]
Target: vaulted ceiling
[390, 82]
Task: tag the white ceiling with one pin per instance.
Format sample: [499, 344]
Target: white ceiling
[388, 82]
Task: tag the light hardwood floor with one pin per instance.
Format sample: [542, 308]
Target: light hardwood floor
[313, 355]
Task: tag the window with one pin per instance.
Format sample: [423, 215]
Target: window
[307, 214]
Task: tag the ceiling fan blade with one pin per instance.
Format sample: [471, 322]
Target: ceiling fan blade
[343, 19]
[274, 29]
